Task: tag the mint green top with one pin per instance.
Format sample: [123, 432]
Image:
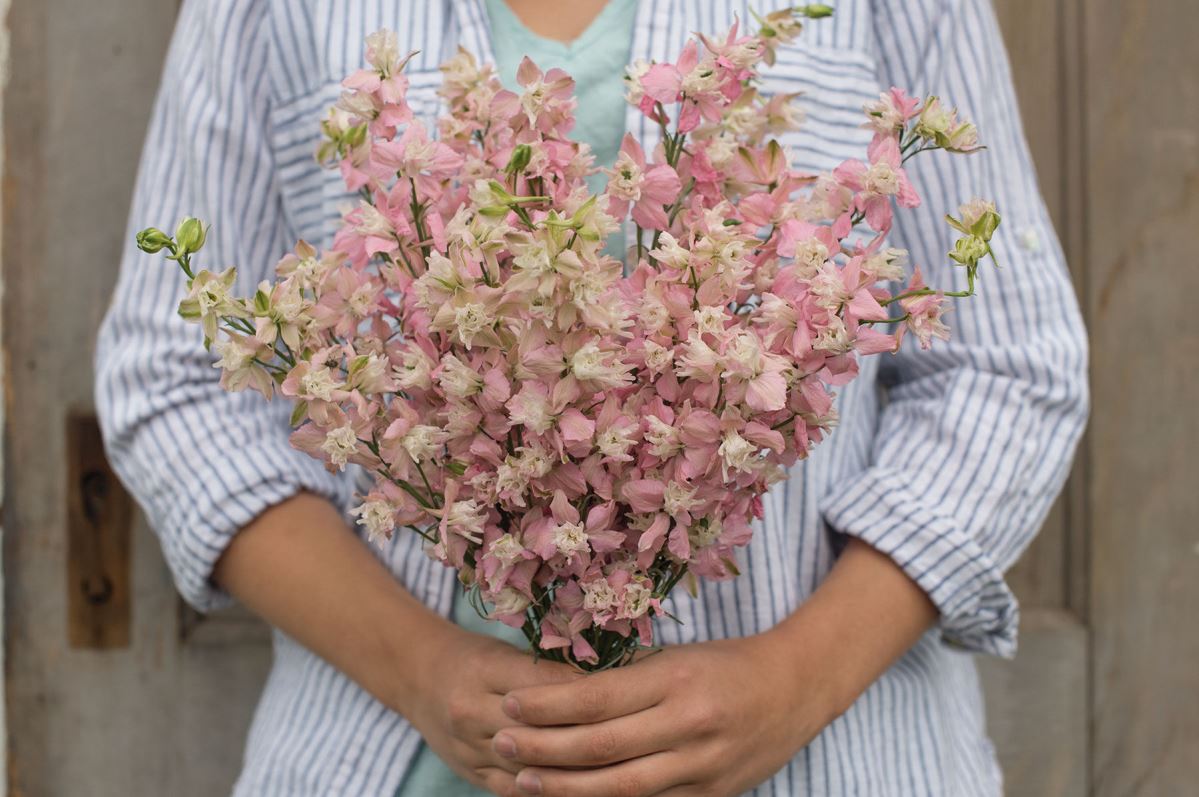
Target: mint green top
[596, 60]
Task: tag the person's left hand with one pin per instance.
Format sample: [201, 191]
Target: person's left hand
[714, 718]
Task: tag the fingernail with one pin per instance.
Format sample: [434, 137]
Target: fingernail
[505, 745]
[528, 782]
[511, 707]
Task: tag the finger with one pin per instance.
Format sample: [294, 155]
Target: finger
[593, 698]
[475, 715]
[642, 777]
[497, 781]
[608, 742]
[517, 670]
[468, 758]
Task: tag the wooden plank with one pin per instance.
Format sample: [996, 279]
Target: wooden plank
[1074, 240]
[160, 716]
[1143, 232]
[4, 43]
[1032, 32]
[1037, 707]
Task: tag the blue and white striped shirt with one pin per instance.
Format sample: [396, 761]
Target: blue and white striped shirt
[946, 460]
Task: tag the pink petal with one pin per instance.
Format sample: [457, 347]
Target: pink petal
[576, 427]
[662, 83]
[644, 495]
[767, 392]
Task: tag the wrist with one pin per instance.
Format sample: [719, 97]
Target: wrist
[410, 649]
[817, 679]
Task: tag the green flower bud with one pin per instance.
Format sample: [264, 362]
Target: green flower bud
[969, 250]
[190, 236]
[816, 10]
[153, 240]
[521, 155]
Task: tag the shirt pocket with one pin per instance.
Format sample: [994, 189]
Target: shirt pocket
[833, 84]
[314, 197]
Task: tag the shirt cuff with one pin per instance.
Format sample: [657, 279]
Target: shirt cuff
[978, 612]
[197, 513]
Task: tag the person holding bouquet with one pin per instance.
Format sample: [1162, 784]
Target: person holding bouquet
[839, 661]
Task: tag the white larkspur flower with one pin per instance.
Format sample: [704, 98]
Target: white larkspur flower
[657, 357]
[509, 601]
[470, 320]
[736, 453]
[699, 360]
[828, 288]
[362, 301]
[833, 337]
[593, 364]
[710, 320]
[706, 532]
[678, 498]
[506, 549]
[636, 599]
[626, 178]
[466, 518]
[458, 379]
[881, 179]
[634, 73]
[340, 444]
[671, 253]
[235, 354]
[423, 442]
[378, 518]
[887, 265]
[531, 409]
[414, 370]
[534, 462]
[662, 437]
[570, 539]
[615, 442]
[598, 596]
[319, 383]
[810, 256]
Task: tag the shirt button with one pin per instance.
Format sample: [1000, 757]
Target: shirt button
[1030, 240]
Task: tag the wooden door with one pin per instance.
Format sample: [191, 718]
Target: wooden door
[112, 687]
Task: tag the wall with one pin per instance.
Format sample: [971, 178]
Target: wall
[1103, 698]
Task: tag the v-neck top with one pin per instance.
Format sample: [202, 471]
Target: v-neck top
[596, 60]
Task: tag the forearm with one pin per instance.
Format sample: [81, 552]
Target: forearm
[865, 615]
[304, 572]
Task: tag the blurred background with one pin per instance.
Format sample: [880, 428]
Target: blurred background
[113, 687]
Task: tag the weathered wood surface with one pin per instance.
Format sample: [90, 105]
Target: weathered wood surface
[157, 717]
[1142, 211]
[1109, 98]
[1036, 34]
[1038, 717]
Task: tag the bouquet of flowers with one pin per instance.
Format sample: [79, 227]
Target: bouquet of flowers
[576, 436]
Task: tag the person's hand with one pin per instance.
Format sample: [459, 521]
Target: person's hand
[718, 718]
[715, 718]
[456, 698]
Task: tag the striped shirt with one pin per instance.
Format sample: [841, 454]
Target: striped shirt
[945, 460]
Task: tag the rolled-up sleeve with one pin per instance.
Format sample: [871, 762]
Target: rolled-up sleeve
[201, 462]
[977, 435]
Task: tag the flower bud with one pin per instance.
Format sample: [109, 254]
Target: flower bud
[980, 218]
[519, 161]
[969, 250]
[153, 240]
[190, 236]
[816, 10]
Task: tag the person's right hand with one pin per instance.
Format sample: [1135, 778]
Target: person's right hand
[456, 701]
